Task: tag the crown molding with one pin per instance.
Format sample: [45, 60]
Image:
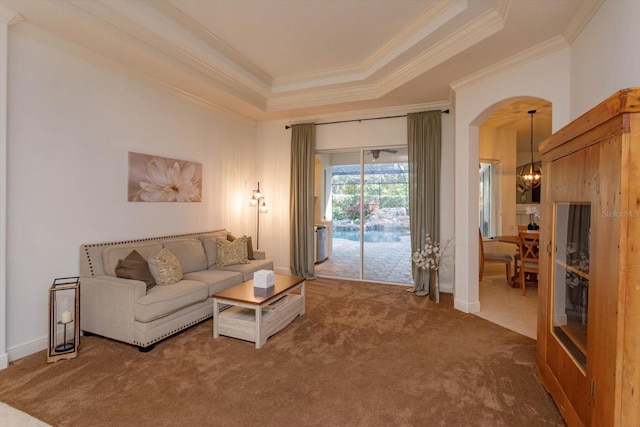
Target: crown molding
[9, 17]
[244, 90]
[366, 114]
[318, 79]
[190, 96]
[424, 25]
[587, 9]
[55, 40]
[475, 31]
[536, 52]
[199, 31]
[321, 96]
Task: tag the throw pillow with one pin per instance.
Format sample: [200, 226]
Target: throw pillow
[165, 267]
[135, 267]
[230, 253]
[231, 238]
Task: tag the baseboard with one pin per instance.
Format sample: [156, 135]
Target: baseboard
[466, 307]
[281, 270]
[4, 361]
[28, 348]
[446, 288]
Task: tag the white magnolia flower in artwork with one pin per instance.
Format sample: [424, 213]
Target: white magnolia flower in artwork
[169, 183]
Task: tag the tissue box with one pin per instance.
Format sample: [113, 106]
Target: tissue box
[263, 279]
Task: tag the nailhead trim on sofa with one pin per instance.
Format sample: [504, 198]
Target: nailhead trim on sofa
[147, 239]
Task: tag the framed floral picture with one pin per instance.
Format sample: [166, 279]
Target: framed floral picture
[161, 179]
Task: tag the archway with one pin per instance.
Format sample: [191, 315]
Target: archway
[506, 143]
[546, 78]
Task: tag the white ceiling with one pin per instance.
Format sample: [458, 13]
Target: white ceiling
[274, 59]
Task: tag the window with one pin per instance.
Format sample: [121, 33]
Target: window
[487, 200]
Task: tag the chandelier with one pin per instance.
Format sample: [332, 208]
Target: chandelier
[530, 175]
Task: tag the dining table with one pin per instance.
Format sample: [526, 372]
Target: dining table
[506, 239]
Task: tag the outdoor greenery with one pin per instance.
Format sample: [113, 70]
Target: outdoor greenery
[381, 190]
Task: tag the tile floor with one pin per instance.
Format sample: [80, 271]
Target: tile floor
[507, 307]
[391, 263]
[383, 261]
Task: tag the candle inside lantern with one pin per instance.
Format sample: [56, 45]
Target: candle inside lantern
[66, 317]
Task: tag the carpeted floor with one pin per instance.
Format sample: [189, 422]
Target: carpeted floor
[363, 355]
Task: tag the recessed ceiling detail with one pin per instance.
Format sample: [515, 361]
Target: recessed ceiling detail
[269, 59]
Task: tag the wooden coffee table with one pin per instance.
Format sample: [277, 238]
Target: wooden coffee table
[256, 313]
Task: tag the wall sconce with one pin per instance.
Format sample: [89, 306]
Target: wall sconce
[64, 319]
[258, 200]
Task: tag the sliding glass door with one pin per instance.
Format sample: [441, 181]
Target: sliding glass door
[369, 211]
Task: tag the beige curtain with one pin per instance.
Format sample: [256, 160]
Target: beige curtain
[303, 147]
[424, 140]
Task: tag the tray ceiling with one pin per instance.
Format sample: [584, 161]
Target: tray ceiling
[271, 59]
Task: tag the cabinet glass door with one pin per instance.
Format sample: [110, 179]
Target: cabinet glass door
[570, 281]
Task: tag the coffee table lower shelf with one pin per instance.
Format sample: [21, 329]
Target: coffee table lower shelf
[256, 323]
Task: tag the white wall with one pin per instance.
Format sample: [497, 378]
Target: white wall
[605, 57]
[500, 145]
[275, 143]
[7, 16]
[546, 78]
[71, 125]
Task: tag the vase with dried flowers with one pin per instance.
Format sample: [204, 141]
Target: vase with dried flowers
[432, 259]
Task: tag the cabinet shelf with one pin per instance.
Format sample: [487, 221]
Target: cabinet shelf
[577, 333]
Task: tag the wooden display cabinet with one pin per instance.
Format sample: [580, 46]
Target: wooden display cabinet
[588, 348]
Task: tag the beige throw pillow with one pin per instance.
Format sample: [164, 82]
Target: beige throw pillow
[230, 253]
[231, 238]
[165, 267]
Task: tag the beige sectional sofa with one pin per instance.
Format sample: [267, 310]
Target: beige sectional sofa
[123, 309]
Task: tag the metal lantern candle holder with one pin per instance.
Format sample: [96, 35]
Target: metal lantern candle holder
[64, 319]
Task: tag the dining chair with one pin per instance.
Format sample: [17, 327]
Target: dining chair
[516, 257]
[528, 244]
[491, 257]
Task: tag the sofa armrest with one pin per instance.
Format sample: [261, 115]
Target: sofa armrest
[107, 305]
[259, 254]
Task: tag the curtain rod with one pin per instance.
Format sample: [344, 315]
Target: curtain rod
[363, 120]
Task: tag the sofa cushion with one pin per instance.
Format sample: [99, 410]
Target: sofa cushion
[164, 300]
[189, 252]
[229, 253]
[247, 270]
[209, 243]
[231, 238]
[111, 255]
[135, 267]
[216, 280]
[165, 267]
